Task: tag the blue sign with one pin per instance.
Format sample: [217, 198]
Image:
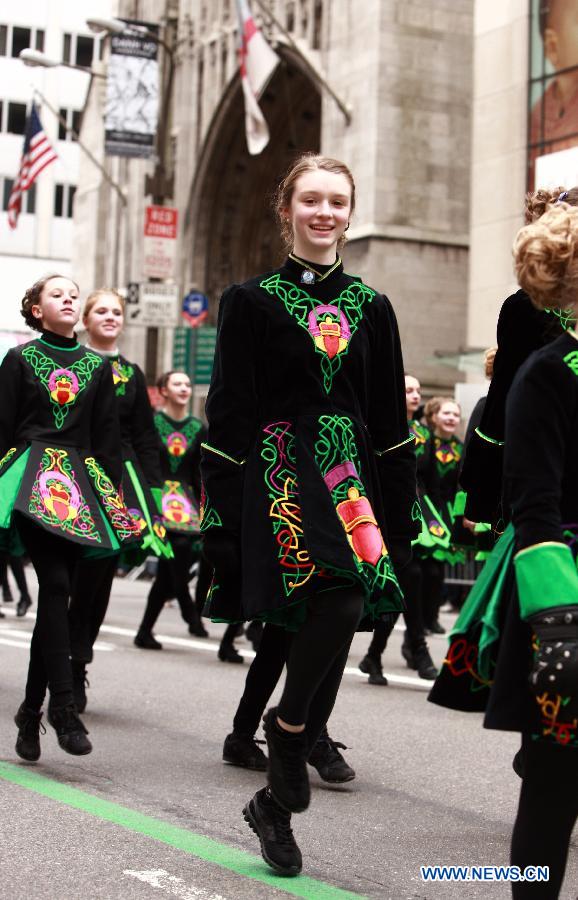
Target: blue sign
[195, 308]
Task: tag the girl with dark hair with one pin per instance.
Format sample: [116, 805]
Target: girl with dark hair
[308, 471]
[179, 437]
[103, 318]
[59, 470]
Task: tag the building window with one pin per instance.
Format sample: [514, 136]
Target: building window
[40, 40]
[3, 40]
[20, 40]
[66, 48]
[84, 51]
[28, 197]
[16, 118]
[72, 117]
[78, 50]
[63, 200]
[552, 94]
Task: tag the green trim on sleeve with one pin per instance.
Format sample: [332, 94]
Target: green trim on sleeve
[222, 454]
[546, 576]
[489, 440]
[459, 508]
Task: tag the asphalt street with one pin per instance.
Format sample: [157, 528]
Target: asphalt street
[154, 813]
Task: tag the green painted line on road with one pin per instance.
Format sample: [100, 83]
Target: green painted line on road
[237, 861]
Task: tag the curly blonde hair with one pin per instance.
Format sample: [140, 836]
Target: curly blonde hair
[538, 202]
[546, 258]
[489, 357]
[307, 162]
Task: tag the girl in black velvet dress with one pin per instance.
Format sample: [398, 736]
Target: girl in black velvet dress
[532, 686]
[308, 471]
[60, 468]
[179, 437]
[103, 318]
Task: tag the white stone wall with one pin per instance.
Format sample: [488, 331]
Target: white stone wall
[498, 173]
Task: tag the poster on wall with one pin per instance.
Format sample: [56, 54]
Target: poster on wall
[160, 241]
[553, 93]
[132, 94]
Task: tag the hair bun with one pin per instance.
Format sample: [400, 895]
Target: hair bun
[545, 257]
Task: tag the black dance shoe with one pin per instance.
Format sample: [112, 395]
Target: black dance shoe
[272, 825]
[70, 731]
[198, 629]
[23, 605]
[329, 762]
[29, 725]
[7, 595]
[435, 628]
[146, 641]
[373, 668]
[228, 653]
[244, 751]
[79, 684]
[418, 658]
[287, 770]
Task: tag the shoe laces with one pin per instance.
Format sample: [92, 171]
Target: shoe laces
[70, 720]
[31, 726]
[281, 823]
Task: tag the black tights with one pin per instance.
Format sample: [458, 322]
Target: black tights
[54, 559]
[317, 656]
[411, 582]
[262, 677]
[17, 570]
[91, 589]
[547, 813]
[172, 581]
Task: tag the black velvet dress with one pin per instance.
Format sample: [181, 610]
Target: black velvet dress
[541, 488]
[60, 462]
[179, 442]
[308, 468]
[521, 329]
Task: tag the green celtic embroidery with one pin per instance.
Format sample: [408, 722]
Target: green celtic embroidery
[124, 526]
[177, 438]
[63, 384]
[121, 375]
[448, 455]
[330, 325]
[421, 434]
[56, 497]
[567, 317]
[338, 460]
[210, 518]
[571, 360]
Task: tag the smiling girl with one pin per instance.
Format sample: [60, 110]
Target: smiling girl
[103, 318]
[309, 473]
[60, 467]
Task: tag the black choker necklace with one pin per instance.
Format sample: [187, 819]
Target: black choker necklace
[310, 275]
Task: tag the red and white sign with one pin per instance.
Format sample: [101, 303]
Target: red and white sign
[160, 241]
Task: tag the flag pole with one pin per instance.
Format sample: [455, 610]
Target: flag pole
[83, 146]
[316, 74]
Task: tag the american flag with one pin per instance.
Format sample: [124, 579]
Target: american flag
[37, 153]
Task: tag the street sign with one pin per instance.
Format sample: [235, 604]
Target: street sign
[204, 354]
[160, 241]
[195, 308]
[182, 350]
[157, 306]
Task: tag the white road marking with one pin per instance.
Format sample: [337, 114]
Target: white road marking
[170, 884]
[7, 643]
[209, 646]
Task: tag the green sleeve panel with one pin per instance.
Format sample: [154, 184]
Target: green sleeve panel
[546, 577]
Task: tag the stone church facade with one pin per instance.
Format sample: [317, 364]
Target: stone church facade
[402, 68]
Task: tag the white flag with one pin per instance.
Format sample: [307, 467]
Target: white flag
[257, 62]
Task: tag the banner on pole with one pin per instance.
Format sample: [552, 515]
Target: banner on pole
[132, 95]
